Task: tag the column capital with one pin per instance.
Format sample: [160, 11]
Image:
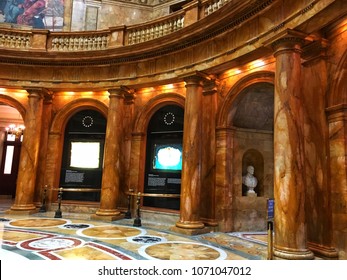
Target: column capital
[211, 86]
[315, 50]
[288, 40]
[196, 78]
[38, 92]
[122, 92]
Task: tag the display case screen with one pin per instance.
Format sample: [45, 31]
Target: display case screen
[167, 157]
[85, 155]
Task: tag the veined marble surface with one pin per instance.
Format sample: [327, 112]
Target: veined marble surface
[39, 237]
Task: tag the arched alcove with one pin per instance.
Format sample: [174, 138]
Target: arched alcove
[164, 157]
[82, 159]
[251, 118]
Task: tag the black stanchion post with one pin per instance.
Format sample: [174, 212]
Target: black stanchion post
[137, 221]
[43, 206]
[58, 213]
[270, 227]
[269, 240]
[128, 213]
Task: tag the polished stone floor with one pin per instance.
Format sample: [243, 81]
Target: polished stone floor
[43, 237]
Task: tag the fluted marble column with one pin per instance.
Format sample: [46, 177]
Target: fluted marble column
[290, 240]
[191, 169]
[27, 172]
[111, 175]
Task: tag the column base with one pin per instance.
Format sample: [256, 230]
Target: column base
[107, 215]
[26, 209]
[293, 254]
[323, 252]
[190, 225]
[186, 231]
[210, 222]
[190, 228]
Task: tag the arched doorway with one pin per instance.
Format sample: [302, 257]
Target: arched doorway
[10, 146]
[82, 159]
[164, 157]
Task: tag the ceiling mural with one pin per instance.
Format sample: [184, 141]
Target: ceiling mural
[44, 14]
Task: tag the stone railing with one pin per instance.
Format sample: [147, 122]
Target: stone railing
[152, 30]
[79, 42]
[112, 37]
[15, 39]
[213, 5]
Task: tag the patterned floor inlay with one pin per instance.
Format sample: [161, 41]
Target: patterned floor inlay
[110, 232]
[42, 238]
[37, 223]
[182, 251]
[257, 237]
[244, 247]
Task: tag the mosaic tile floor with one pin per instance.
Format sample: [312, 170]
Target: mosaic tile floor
[38, 238]
[42, 237]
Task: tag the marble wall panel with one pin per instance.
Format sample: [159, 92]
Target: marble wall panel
[250, 214]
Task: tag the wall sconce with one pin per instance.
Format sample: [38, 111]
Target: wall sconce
[15, 130]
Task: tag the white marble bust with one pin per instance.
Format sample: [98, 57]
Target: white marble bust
[250, 181]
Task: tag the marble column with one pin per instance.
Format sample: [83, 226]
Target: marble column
[290, 240]
[191, 165]
[27, 172]
[112, 171]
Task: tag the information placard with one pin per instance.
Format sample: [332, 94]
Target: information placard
[270, 209]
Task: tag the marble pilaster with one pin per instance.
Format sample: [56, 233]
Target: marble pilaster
[318, 191]
[137, 148]
[52, 165]
[46, 122]
[224, 170]
[191, 168]
[337, 119]
[129, 109]
[208, 152]
[290, 240]
[112, 171]
[27, 172]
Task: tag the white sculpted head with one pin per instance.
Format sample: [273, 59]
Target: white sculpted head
[250, 169]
